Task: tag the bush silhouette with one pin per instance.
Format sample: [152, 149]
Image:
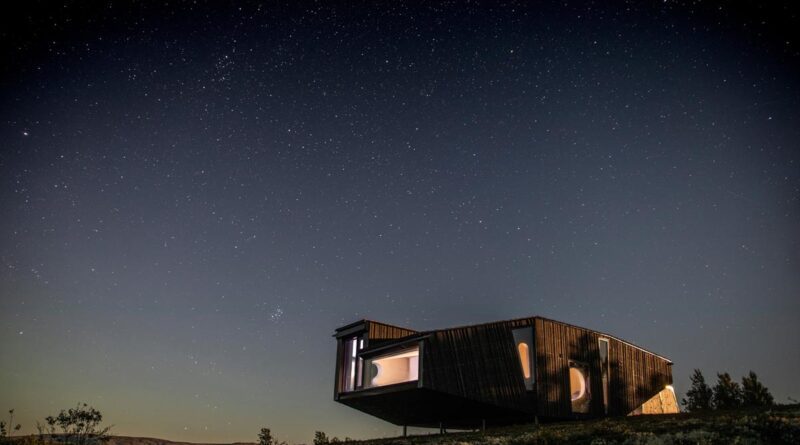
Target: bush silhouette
[754, 393]
[78, 426]
[727, 393]
[699, 395]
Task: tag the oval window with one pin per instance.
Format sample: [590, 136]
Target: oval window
[524, 359]
[577, 384]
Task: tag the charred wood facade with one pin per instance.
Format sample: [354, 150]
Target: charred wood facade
[496, 373]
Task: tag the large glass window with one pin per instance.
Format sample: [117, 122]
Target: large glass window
[396, 367]
[604, 370]
[523, 339]
[579, 389]
[352, 368]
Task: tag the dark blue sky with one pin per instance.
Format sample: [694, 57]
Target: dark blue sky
[195, 196]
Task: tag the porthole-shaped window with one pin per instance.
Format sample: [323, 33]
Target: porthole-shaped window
[577, 384]
[579, 389]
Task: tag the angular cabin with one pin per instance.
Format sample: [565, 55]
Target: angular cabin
[497, 373]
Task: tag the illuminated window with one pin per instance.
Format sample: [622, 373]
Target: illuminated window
[525, 360]
[396, 367]
[352, 364]
[523, 339]
[580, 394]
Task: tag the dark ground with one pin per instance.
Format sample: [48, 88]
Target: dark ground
[777, 425]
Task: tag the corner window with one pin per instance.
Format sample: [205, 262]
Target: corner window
[579, 389]
[396, 367]
[352, 364]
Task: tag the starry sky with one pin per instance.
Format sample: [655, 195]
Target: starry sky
[194, 196]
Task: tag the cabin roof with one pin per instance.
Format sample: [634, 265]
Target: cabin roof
[420, 334]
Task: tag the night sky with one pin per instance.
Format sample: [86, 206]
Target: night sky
[195, 196]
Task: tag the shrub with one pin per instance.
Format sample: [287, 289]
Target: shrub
[699, 395]
[727, 393]
[79, 426]
[754, 393]
[320, 438]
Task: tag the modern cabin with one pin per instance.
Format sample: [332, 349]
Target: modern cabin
[497, 373]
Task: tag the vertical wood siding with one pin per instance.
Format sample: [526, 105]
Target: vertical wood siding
[635, 375]
[380, 331]
[481, 363]
[476, 362]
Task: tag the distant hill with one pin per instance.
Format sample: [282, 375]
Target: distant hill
[127, 440]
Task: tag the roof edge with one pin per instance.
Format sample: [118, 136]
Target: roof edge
[533, 317]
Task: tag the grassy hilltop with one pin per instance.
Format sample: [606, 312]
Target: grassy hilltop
[776, 425]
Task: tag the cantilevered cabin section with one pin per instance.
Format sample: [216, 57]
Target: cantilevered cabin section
[496, 373]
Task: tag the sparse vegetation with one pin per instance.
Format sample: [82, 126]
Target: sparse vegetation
[75, 426]
[265, 438]
[7, 428]
[776, 425]
[698, 397]
[320, 438]
[754, 393]
[726, 394]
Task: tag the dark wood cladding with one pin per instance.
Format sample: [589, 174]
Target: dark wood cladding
[477, 363]
[635, 374]
[337, 383]
[472, 374]
[382, 331]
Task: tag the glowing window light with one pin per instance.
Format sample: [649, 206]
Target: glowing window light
[524, 359]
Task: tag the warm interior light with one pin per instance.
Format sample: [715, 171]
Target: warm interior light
[395, 368]
[524, 359]
[577, 384]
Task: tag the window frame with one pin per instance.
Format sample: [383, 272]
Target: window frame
[605, 370]
[399, 350]
[583, 404]
[524, 335]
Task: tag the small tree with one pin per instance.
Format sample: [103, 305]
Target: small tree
[727, 393]
[79, 426]
[754, 393]
[265, 437]
[698, 397]
[7, 428]
[320, 438]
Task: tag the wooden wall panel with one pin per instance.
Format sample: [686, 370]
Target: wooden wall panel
[382, 331]
[635, 375]
[481, 363]
[476, 362]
